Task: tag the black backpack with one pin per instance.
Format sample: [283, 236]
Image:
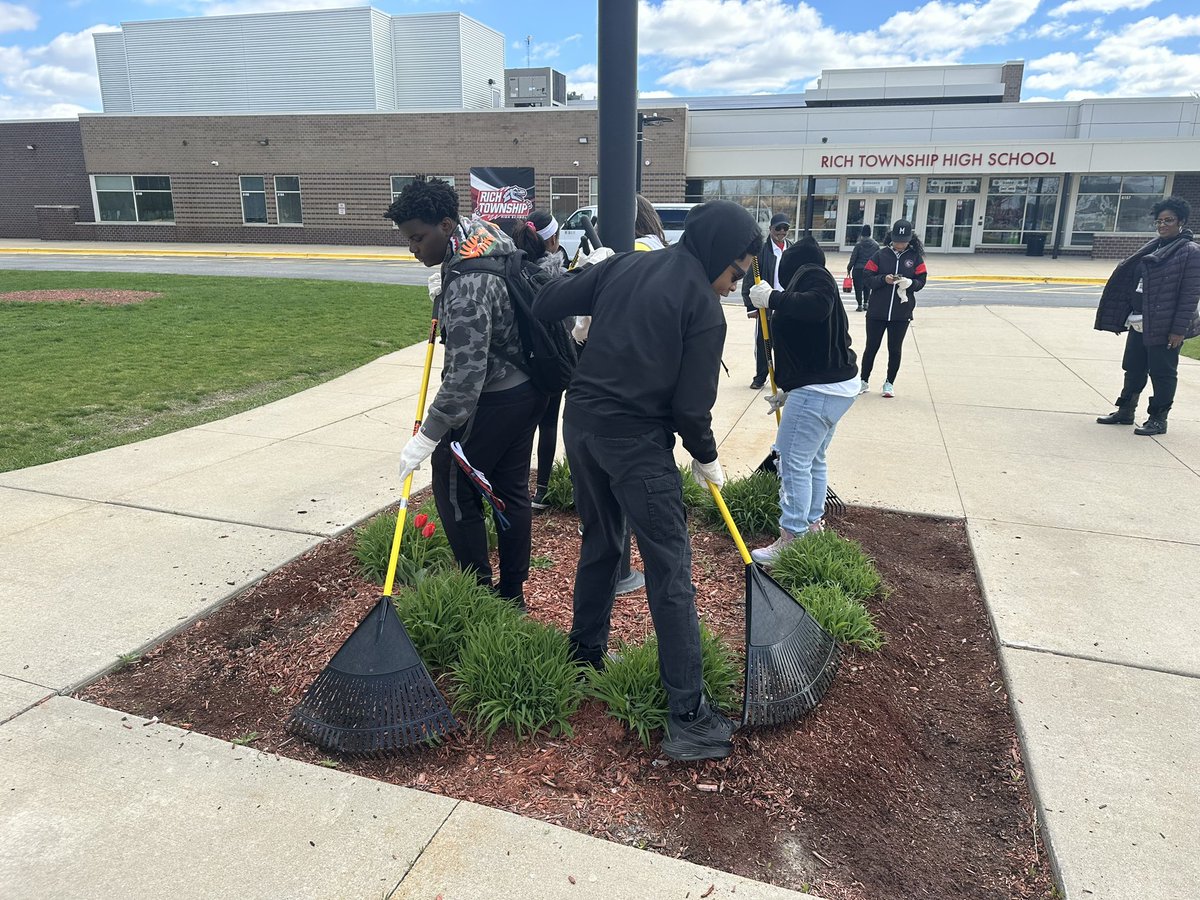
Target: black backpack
[548, 352]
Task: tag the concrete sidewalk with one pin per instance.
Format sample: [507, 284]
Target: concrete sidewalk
[1084, 537]
[975, 266]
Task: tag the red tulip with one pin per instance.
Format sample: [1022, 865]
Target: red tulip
[428, 530]
[420, 520]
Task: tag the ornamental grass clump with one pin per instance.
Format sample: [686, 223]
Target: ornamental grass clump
[848, 620]
[824, 557]
[438, 611]
[630, 686]
[753, 503]
[517, 672]
[560, 491]
[423, 548]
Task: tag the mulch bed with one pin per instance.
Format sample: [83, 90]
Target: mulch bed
[907, 781]
[80, 295]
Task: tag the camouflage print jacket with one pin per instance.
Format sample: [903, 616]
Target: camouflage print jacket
[479, 329]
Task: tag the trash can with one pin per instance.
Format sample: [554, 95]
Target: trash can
[1035, 244]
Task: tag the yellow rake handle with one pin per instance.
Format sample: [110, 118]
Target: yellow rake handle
[766, 333]
[733, 531]
[402, 514]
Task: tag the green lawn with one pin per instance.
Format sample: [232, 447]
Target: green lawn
[82, 377]
[1191, 348]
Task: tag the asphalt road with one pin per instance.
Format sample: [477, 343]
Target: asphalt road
[937, 293]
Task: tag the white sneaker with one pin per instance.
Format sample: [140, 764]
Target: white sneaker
[864, 388]
[816, 526]
[888, 390]
[765, 556]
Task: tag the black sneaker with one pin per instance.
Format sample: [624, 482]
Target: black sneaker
[539, 498]
[757, 384]
[704, 735]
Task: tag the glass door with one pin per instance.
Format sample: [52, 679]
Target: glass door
[949, 224]
[873, 211]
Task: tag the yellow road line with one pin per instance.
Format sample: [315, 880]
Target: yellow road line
[225, 254]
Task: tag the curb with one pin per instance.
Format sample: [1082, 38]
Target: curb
[226, 254]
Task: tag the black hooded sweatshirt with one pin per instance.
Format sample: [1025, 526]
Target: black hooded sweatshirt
[809, 329]
[658, 329]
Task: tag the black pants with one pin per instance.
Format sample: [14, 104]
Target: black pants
[497, 440]
[1159, 364]
[895, 338]
[547, 440]
[861, 291]
[760, 350]
[635, 478]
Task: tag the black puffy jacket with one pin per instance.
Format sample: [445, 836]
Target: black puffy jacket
[1170, 291]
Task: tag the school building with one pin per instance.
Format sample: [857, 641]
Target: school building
[302, 127]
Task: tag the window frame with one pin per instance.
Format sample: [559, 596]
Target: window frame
[298, 193]
[1072, 235]
[133, 192]
[243, 194]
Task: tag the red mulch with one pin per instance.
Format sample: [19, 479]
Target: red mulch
[80, 295]
[907, 781]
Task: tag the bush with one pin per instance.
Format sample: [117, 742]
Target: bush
[694, 496]
[421, 551]
[437, 613]
[560, 490]
[843, 617]
[632, 690]
[517, 672]
[824, 557]
[753, 503]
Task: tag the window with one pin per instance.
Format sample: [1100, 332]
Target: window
[1018, 207]
[1115, 203]
[254, 200]
[593, 190]
[762, 197]
[134, 198]
[575, 221]
[564, 197]
[825, 210]
[287, 200]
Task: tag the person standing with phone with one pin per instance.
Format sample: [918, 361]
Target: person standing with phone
[894, 274]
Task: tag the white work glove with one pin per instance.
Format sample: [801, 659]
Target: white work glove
[760, 294]
[435, 283]
[582, 325]
[708, 473]
[775, 401]
[415, 452]
[600, 254]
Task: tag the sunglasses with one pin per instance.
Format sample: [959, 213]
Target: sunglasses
[738, 272]
[781, 228]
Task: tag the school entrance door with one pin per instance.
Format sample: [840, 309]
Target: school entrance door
[950, 224]
[873, 211]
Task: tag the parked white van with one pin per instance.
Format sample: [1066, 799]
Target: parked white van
[672, 215]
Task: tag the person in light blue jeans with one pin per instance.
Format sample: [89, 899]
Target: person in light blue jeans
[818, 373]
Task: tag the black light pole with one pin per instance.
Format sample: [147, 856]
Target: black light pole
[616, 93]
[643, 121]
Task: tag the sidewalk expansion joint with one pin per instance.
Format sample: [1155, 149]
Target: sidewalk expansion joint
[421, 852]
[1087, 657]
[176, 512]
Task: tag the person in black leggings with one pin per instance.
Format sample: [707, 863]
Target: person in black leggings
[856, 268]
[894, 274]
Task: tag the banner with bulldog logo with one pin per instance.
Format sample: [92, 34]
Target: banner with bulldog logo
[502, 193]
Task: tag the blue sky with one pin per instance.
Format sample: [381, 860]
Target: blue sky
[1072, 48]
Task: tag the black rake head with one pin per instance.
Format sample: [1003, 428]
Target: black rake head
[375, 697]
[790, 659]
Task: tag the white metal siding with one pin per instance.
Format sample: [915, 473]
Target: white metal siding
[286, 62]
[482, 58]
[385, 64]
[114, 77]
[427, 56]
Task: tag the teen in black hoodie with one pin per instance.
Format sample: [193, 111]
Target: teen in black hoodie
[816, 368]
[650, 371]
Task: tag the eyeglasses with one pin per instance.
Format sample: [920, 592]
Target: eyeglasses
[1158, 222]
[738, 272]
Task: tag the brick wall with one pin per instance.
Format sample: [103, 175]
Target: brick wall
[1012, 74]
[51, 174]
[348, 159]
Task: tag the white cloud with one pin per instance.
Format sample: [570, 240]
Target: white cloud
[1135, 61]
[545, 51]
[693, 38]
[1104, 6]
[54, 79]
[16, 18]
